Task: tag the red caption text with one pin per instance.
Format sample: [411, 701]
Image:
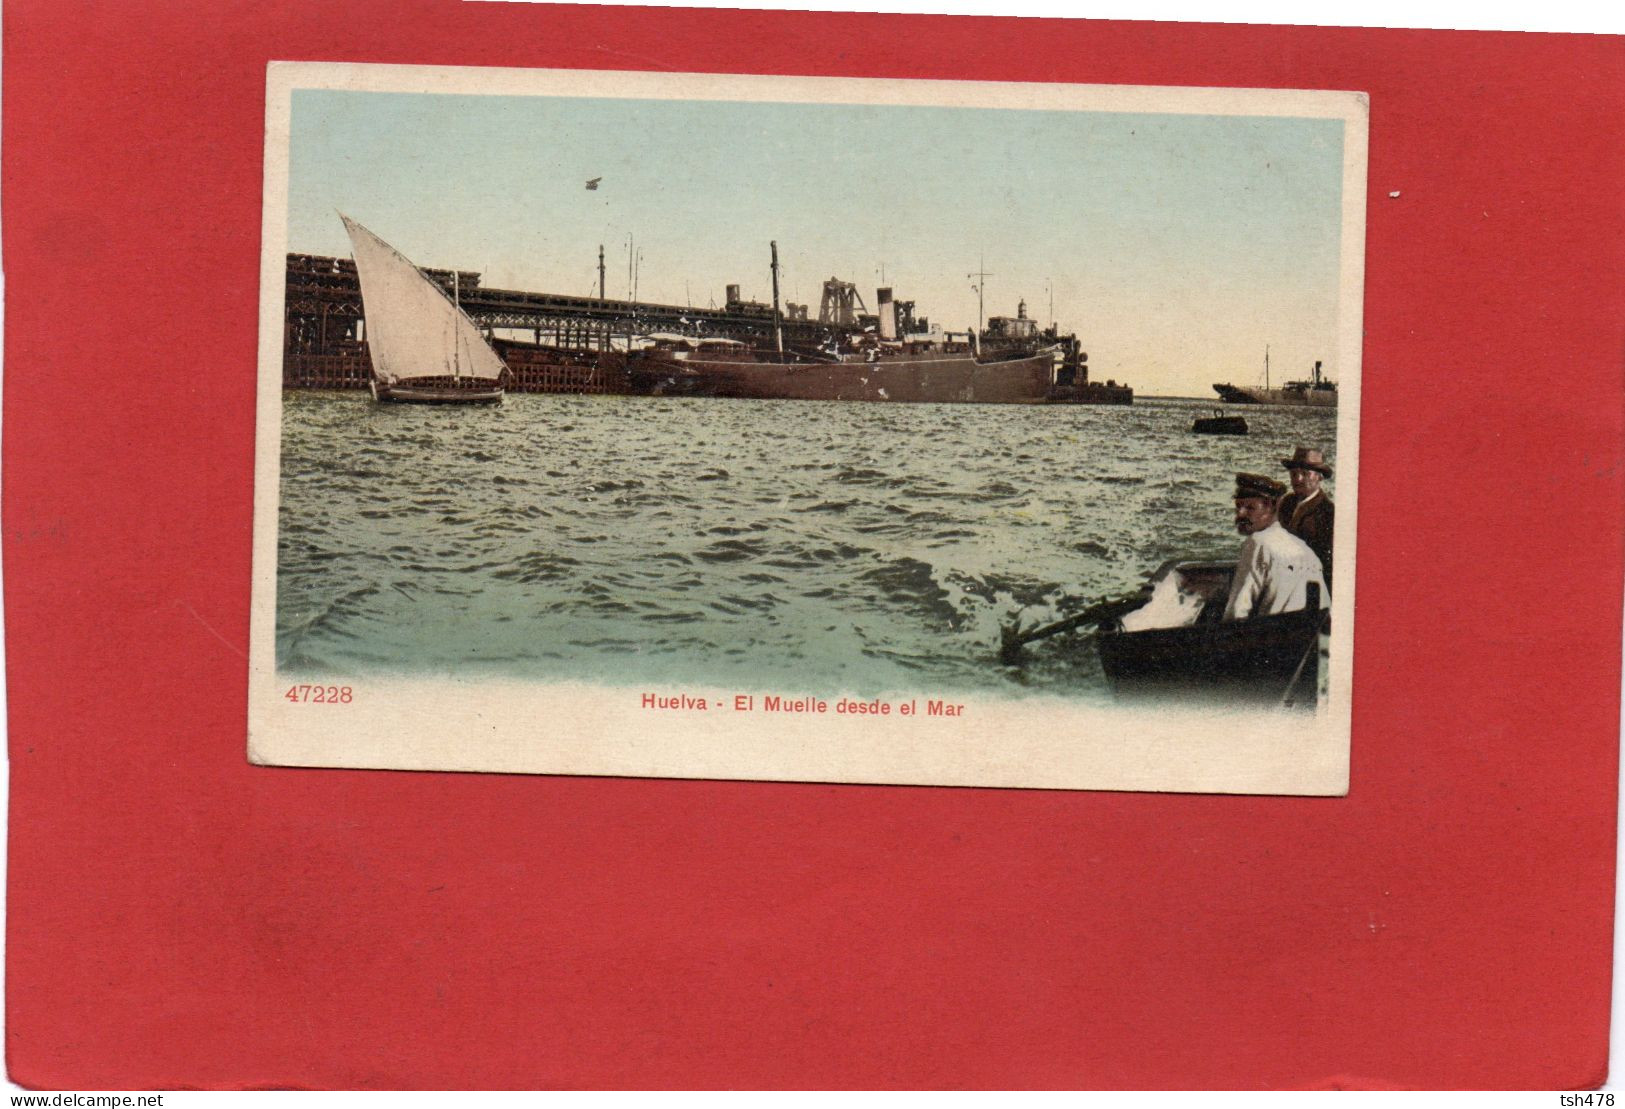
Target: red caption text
[769, 704]
[319, 694]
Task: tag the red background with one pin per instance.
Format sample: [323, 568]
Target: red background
[180, 918]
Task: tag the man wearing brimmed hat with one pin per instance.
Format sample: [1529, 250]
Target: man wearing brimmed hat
[1276, 567]
[1307, 511]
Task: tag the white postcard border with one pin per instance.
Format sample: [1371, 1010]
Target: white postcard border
[443, 723]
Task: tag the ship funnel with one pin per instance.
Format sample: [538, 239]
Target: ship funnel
[1317, 373]
[887, 311]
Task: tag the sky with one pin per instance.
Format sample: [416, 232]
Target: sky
[1175, 246]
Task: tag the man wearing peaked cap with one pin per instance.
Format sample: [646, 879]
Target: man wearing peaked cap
[1257, 485]
[1276, 567]
[1307, 511]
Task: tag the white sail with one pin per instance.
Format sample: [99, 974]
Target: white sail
[413, 328]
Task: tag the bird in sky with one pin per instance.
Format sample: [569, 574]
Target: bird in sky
[593, 184]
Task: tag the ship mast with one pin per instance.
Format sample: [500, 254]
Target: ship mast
[778, 326]
[1266, 365]
[981, 276]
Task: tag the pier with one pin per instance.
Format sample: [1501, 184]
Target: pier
[557, 343]
[575, 343]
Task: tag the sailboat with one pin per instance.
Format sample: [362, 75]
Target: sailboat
[425, 349]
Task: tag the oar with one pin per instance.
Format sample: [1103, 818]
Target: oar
[1309, 652]
[1311, 601]
[1011, 639]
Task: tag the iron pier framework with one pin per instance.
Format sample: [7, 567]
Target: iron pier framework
[325, 332]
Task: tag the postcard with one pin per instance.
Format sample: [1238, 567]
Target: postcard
[808, 429]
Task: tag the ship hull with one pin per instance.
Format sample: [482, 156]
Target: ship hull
[909, 379]
[1091, 392]
[1302, 398]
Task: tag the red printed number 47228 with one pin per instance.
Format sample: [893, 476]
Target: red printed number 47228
[319, 694]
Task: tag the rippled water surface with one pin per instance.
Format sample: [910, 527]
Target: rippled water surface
[789, 546]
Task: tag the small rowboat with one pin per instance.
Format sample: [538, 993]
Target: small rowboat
[1178, 643]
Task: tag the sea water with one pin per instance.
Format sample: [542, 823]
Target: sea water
[786, 546]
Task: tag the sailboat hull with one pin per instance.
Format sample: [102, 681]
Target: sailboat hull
[438, 390]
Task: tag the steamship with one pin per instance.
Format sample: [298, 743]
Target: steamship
[1317, 392]
[1007, 363]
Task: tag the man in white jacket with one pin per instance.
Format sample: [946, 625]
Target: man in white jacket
[1276, 566]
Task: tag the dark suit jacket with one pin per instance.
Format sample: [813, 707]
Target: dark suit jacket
[1313, 525]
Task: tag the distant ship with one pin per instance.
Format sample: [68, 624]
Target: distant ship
[1317, 392]
[424, 348]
